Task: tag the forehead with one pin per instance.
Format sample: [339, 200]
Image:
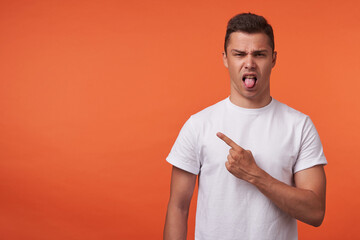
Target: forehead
[249, 41]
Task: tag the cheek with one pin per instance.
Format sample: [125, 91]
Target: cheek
[234, 68]
[267, 70]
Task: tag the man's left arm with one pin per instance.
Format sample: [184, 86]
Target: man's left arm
[305, 201]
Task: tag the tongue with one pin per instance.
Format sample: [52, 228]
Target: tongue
[249, 82]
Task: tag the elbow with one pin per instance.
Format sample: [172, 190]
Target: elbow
[317, 219]
[316, 223]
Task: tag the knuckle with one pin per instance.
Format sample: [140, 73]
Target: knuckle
[227, 165]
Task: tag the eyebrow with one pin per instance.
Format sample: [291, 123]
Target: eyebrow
[253, 52]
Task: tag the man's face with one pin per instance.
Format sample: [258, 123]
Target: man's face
[249, 59]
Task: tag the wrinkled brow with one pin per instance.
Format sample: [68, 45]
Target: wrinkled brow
[252, 52]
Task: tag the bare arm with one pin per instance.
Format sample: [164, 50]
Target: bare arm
[181, 191]
[305, 201]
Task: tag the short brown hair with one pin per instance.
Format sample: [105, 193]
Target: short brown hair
[249, 23]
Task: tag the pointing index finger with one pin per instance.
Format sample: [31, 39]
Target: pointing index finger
[227, 140]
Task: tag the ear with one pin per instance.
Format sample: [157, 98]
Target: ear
[274, 57]
[225, 60]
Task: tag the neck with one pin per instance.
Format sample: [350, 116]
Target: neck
[250, 102]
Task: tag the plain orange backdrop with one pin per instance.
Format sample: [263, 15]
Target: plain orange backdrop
[94, 93]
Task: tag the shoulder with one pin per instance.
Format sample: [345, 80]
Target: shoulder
[209, 113]
[300, 123]
[288, 110]
[289, 114]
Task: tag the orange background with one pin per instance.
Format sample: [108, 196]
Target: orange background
[94, 93]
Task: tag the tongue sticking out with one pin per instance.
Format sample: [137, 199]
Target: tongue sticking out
[249, 82]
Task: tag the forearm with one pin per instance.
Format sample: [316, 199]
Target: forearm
[305, 202]
[176, 223]
[301, 204]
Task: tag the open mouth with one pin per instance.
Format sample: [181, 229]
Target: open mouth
[249, 81]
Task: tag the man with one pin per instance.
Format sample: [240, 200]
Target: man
[259, 162]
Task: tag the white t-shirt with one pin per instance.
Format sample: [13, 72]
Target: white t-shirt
[282, 140]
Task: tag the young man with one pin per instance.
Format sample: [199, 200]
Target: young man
[259, 162]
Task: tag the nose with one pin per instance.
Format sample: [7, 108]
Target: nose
[249, 62]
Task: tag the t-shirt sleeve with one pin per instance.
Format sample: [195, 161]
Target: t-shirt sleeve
[311, 150]
[184, 153]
